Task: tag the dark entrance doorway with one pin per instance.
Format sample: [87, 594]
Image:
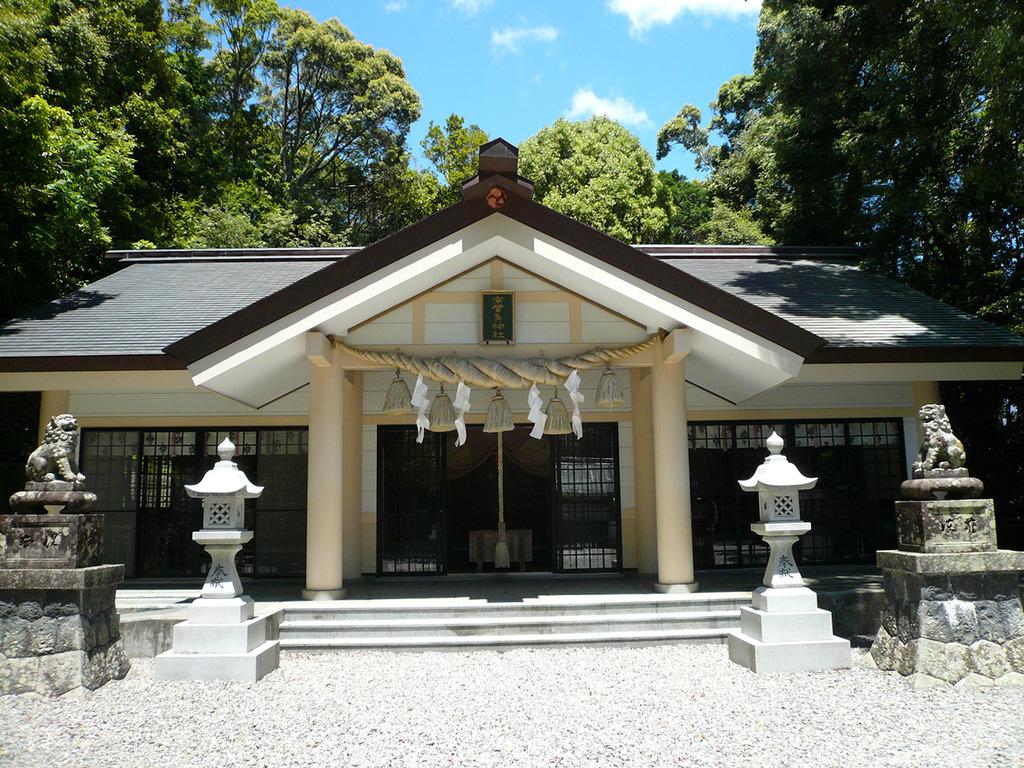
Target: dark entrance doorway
[473, 501]
[438, 505]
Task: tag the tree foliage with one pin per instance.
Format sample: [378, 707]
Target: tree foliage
[597, 172]
[452, 148]
[898, 127]
[198, 122]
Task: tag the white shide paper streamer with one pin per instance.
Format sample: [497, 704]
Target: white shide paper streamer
[420, 402]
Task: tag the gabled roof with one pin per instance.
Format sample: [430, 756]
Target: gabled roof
[170, 308]
[521, 208]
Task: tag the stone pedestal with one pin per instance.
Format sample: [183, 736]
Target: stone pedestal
[951, 525]
[50, 541]
[784, 630]
[59, 630]
[220, 640]
[952, 617]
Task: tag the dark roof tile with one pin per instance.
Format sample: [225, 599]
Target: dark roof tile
[142, 308]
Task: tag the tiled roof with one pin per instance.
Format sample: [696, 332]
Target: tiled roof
[162, 297]
[843, 304]
[142, 308]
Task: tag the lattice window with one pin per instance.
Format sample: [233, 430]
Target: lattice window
[168, 443]
[109, 459]
[819, 435]
[411, 531]
[784, 506]
[219, 513]
[142, 474]
[587, 515]
[245, 442]
[859, 464]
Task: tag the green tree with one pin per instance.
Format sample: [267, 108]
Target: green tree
[386, 196]
[63, 159]
[243, 31]
[597, 172]
[452, 149]
[897, 127]
[693, 216]
[892, 126]
[332, 98]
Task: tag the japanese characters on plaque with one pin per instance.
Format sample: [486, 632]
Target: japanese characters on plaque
[498, 318]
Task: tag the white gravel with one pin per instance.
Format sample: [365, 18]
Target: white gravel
[654, 706]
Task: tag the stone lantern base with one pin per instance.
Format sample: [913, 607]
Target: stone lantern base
[220, 640]
[785, 631]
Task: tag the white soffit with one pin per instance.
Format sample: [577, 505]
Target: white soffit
[726, 359]
[843, 373]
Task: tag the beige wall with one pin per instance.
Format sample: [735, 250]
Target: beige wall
[450, 314]
[156, 407]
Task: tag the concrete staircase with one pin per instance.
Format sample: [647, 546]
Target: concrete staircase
[464, 623]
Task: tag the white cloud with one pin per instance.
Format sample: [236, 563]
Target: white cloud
[644, 14]
[586, 103]
[469, 7]
[509, 39]
[394, 6]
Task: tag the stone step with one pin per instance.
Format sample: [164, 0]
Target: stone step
[630, 637]
[526, 624]
[453, 608]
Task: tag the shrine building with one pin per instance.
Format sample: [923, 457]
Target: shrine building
[614, 393]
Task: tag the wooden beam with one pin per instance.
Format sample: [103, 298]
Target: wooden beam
[676, 345]
[319, 349]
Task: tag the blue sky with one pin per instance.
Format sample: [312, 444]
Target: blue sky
[514, 67]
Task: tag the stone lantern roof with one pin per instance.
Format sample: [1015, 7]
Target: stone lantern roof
[225, 479]
[776, 473]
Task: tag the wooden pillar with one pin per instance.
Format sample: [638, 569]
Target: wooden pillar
[643, 470]
[926, 393]
[672, 465]
[352, 473]
[324, 521]
[52, 402]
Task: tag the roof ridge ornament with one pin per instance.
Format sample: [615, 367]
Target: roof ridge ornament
[498, 176]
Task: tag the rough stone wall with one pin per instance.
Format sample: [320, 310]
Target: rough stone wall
[950, 626]
[55, 641]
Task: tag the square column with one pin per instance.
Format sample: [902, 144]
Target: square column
[53, 402]
[672, 465]
[643, 470]
[324, 499]
[352, 474]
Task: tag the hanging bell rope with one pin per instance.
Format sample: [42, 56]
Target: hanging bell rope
[501, 552]
[488, 373]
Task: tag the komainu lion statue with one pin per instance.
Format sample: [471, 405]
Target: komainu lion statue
[55, 458]
[940, 448]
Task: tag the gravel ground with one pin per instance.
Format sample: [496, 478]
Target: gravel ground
[653, 706]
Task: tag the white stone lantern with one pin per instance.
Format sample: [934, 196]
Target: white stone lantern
[221, 639]
[778, 484]
[784, 630]
[223, 490]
